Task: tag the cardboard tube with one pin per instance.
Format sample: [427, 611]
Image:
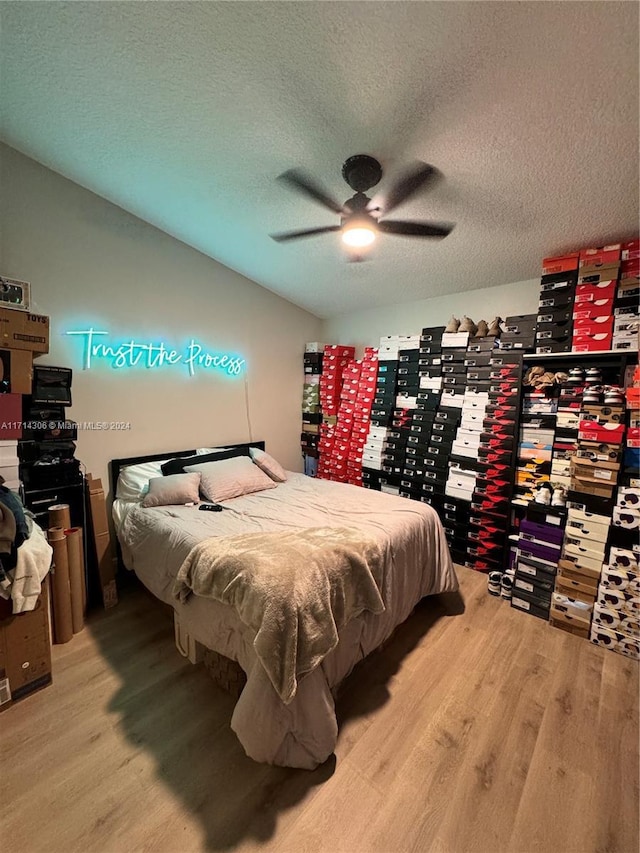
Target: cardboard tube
[59, 516]
[61, 587]
[73, 535]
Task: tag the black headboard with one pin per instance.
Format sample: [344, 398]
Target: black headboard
[117, 464]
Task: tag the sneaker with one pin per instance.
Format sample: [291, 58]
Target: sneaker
[467, 325]
[593, 376]
[592, 398]
[559, 497]
[543, 494]
[506, 586]
[494, 583]
[494, 329]
[482, 330]
[453, 325]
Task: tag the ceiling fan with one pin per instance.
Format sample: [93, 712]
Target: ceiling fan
[360, 220]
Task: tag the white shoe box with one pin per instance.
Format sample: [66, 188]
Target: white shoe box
[476, 396]
[460, 448]
[472, 420]
[314, 346]
[406, 402]
[9, 469]
[432, 383]
[455, 339]
[468, 436]
[451, 400]
[626, 518]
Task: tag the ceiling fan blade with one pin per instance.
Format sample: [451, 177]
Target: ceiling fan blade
[309, 232]
[420, 176]
[302, 183]
[416, 229]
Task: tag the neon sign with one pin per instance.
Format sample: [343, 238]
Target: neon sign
[133, 353]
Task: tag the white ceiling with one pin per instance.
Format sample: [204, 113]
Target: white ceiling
[184, 114]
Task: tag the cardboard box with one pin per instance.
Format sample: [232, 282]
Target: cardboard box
[25, 650]
[20, 330]
[16, 368]
[616, 641]
[103, 545]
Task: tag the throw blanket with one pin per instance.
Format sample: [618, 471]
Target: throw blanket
[296, 590]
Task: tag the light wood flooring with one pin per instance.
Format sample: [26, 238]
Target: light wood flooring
[484, 731]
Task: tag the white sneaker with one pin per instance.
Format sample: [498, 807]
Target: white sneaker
[543, 495]
[559, 497]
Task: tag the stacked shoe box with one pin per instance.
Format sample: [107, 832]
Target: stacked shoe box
[594, 472]
[519, 333]
[536, 440]
[433, 424]
[616, 618]
[311, 410]
[339, 461]
[555, 304]
[401, 457]
[499, 384]
[626, 321]
[334, 360]
[594, 299]
[363, 402]
[47, 448]
[381, 412]
[538, 554]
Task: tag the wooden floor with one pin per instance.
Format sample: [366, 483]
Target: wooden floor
[483, 731]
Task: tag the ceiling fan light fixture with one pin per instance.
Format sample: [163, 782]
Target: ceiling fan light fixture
[358, 233]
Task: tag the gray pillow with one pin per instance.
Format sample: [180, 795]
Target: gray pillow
[172, 490]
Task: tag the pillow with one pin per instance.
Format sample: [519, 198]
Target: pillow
[268, 464]
[172, 490]
[202, 451]
[179, 466]
[134, 479]
[231, 478]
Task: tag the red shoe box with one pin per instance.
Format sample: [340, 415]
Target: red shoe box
[608, 433]
[592, 310]
[633, 437]
[630, 268]
[593, 342]
[337, 349]
[560, 264]
[592, 326]
[595, 291]
[631, 250]
[603, 256]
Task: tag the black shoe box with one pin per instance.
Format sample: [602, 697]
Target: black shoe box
[552, 346]
[555, 315]
[554, 331]
[474, 374]
[393, 470]
[434, 487]
[459, 528]
[397, 444]
[416, 451]
[453, 354]
[553, 301]
[446, 430]
[540, 585]
[590, 503]
[508, 386]
[466, 464]
[506, 373]
[428, 400]
[481, 345]
[412, 492]
[530, 603]
[502, 425]
[493, 455]
[450, 368]
[423, 416]
[455, 381]
[441, 451]
[559, 281]
[387, 368]
[51, 386]
[401, 434]
[437, 462]
[394, 457]
[482, 359]
[386, 380]
[421, 430]
[432, 333]
[409, 370]
[380, 418]
[409, 387]
[429, 361]
[456, 507]
[442, 439]
[312, 417]
[432, 348]
[408, 356]
[448, 415]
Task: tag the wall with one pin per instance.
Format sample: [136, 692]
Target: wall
[365, 327]
[90, 262]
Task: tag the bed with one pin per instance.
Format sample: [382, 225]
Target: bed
[302, 731]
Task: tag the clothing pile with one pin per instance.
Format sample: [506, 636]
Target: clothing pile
[25, 554]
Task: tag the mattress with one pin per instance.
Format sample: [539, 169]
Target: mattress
[302, 733]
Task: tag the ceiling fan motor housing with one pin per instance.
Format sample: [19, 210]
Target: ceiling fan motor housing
[361, 172]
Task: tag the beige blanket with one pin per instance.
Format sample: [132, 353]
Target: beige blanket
[295, 589]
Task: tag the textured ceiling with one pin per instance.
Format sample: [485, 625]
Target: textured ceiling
[184, 114]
